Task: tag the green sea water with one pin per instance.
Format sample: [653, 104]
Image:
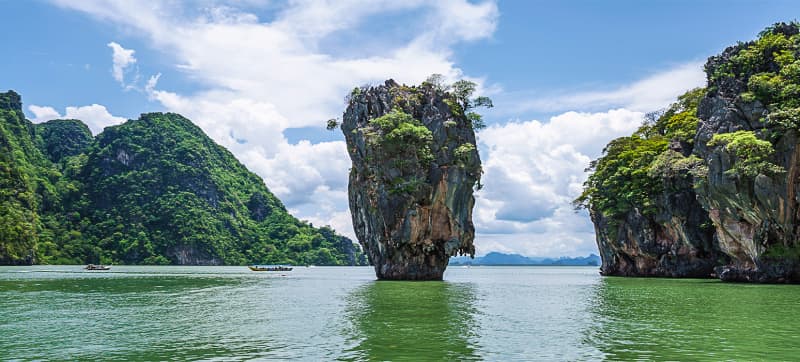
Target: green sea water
[342, 313]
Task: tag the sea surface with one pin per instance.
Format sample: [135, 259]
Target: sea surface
[343, 313]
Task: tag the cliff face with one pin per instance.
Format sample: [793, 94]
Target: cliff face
[642, 202]
[724, 193]
[755, 214]
[415, 165]
[675, 242]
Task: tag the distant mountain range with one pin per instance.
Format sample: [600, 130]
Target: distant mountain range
[495, 258]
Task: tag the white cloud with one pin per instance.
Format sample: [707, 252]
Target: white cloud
[262, 77]
[95, 116]
[648, 94]
[41, 114]
[122, 60]
[533, 170]
[462, 20]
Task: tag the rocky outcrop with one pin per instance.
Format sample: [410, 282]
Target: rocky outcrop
[734, 205]
[677, 241]
[415, 166]
[756, 217]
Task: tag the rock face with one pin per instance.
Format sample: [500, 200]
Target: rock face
[756, 217]
[647, 219]
[415, 166]
[731, 202]
[675, 242]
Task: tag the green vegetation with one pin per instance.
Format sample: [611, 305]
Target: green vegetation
[155, 190]
[402, 140]
[631, 171]
[19, 204]
[771, 69]
[333, 124]
[402, 136]
[63, 138]
[783, 252]
[463, 153]
[752, 154]
[464, 104]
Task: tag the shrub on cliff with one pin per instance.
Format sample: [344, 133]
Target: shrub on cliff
[631, 170]
[752, 154]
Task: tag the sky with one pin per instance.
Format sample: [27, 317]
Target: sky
[260, 77]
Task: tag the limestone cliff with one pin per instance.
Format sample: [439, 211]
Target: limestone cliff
[711, 183]
[676, 241]
[754, 209]
[641, 199]
[415, 166]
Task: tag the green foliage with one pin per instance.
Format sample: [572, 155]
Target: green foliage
[437, 82]
[354, 93]
[771, 69]
[143, 192]
[405, 185]
[62, 138]
[463, 104]
[400, 135]
[772, 49]
[621, 179]
[752, 154]
[476, 120]
[463, 153]
[482, 101]
[26, 185]
[632, 169]
[678, 122]
[184, 192]
[673, 164]
[403, 146]
[783, 252]
[462, 90]
[333, 124]
[785, 119]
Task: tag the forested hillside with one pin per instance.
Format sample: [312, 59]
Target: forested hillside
[155, 190]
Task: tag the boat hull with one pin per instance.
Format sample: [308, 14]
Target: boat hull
[270, 268]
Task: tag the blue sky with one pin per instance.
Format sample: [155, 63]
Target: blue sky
[260, 77]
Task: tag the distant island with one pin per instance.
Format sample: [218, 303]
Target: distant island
[495, 258]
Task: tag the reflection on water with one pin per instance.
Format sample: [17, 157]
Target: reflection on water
[88, 316]
[411, 320]
[671, 319]
[323, 314]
